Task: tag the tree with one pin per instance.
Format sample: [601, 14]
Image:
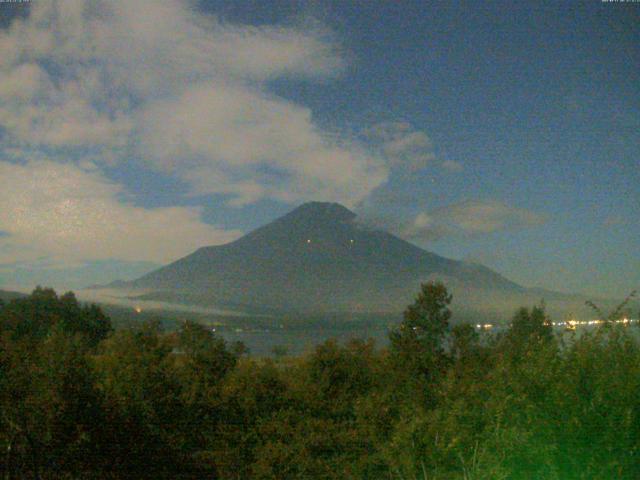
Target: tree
[530, 327]
[49, 407]
[418, 342]
[464, 342]
[34, 316]
[141, 389]
[206, 358]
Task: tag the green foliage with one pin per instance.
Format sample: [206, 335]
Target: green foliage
[279, 351]
[34, 316]
[77, 401]
[529, 329]
[425, 322]
[205, 357]
[418, 343]
[49, 404]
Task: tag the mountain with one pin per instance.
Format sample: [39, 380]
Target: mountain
[317, 258]
[7, 295]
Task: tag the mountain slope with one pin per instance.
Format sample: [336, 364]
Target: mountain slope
[316, 258]
[7, 295]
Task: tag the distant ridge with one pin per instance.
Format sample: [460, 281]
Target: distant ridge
[8, 295]
[316, 258]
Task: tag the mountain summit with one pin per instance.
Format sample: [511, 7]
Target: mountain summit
[317, 258]
[320, 211]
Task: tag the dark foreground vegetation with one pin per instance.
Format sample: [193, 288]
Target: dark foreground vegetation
[78, 400]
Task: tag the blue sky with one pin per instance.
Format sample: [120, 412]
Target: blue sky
[505, 133]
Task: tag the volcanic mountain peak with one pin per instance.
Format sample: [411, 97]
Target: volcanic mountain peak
[315, 216]
[321, 211]
[318, 258]
[323, 222]
[315, 258]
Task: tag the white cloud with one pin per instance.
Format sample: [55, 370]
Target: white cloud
[70, 215]
[457, 220]
[403, 147]
[269, 52]
[185, 93]
[239, 141]
[452, 166]
[424, 227]
[488, 216]
[407, 143]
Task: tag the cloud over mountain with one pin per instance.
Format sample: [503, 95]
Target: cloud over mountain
[71, 214]
[473, 217]
[488, 216]
[161, 89]
[184, 93]
[162, 86]
[404, 148]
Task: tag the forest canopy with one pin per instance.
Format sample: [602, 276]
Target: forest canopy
[79, 399]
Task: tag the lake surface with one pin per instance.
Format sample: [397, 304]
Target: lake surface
[261, 343]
